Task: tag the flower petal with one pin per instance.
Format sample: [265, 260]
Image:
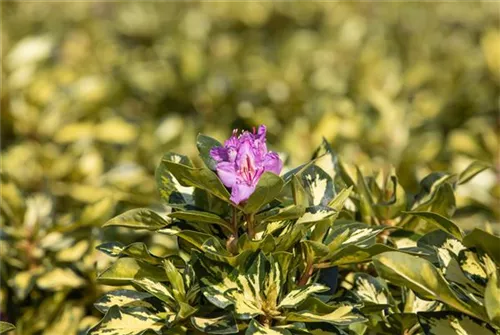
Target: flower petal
[261, 133]
[227, 173]
[273, 163]
[219, 154]
[245, 158]
[241, 192]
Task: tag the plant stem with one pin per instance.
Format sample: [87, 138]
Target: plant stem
[231, 244]
[412, 330]
[250, 225]
[265, 321]
[306, 275]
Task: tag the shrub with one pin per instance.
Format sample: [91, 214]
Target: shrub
[321, 249]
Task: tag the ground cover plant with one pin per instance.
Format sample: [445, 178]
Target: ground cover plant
[94, 93]
[260, 253]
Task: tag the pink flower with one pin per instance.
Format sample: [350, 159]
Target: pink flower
[242, 160]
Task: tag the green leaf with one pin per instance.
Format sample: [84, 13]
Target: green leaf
[200, 217]
[242, 289]
[157, 289]
[316, 214]
[128, 299]
[141, 218]
[60, 278]
[338, 202]
[313, 251]
[371, 290]
[255, 328]
[280, 214]
[391, 208]
[126, 269]
[353, 254]
[473, 267]
[450, 323]
[423, 278]
[345, 233]
[112, 249]
[225, 324]
[135, 321]
[139, 251]
[439, 221]
[168, 186]
[268, 188]
[492, 298]
[485, 241]
[205, 144]
[201, 178]
[176, 280]
[319, 186]
[297, 296]
[299, 193]
[193, 237]
[472, 170]
[6, 327]
[341, 316]
[97, 212]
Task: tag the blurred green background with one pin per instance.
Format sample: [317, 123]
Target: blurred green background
[93, 93]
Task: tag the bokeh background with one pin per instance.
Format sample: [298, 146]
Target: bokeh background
[93, 93]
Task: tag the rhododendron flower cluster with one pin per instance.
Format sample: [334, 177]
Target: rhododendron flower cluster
[242, 161]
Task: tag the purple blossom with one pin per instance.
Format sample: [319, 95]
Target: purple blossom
[242, 161]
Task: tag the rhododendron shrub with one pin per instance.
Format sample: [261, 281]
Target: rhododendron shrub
[319, 249]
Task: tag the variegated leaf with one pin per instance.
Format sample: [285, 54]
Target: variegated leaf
[126, 269]
[371, 290]
[422, 277]
[316, 214]
[341, 316]
[6, 327]
[353, 254]
[473, 169]
[200, 217]
[255, 328]
[141, 218]
[225, 324]
[194, 238]
[473, 267]
[268, 188]
[297, 296]
[205, 144]
[414, 304]
[279, 214]
[112, 249]
[60, 278]
[338, 202]
[461, 283]
[213, 250]
[449, 323]
[485, 241]
[492, 298]
[157, 289]
[135, 321]
[170, 190]
[201, 178]
[443, 245]
[440, 222]
[128, 299]
[344, 233]
[139, 251]
[319, 186]
[176, 281]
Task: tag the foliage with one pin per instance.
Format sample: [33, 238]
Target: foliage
[266, 267]
[94, 92]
